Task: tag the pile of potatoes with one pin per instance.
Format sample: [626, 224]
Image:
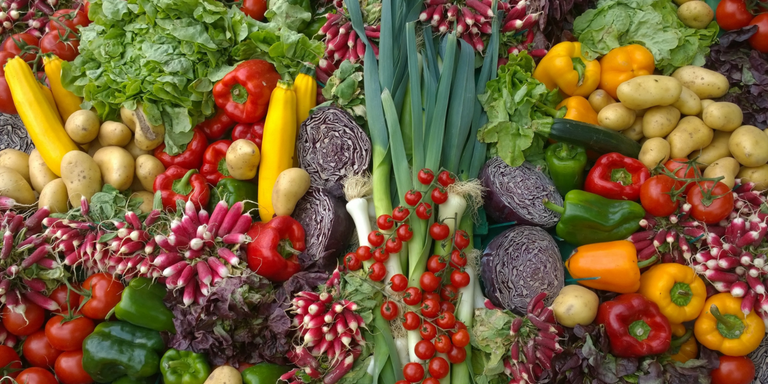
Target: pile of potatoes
[675, 117]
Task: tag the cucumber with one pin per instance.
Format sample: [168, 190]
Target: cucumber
[593, 137]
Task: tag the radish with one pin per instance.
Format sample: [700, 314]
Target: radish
[480, 8]
[340, 370]
[218, 267]
[42, 301]
[728, 262]
[748, 302]
[6, 203]
[755, 284]
[47, 263]
[228, 256]
[739, 289]
[427, 13]
[36, 256]
[217, 217]
[175, 269]
[468, 16]
[231, 218]
[189, 292]
[511, 26]
[243, 224]
[204, 272]
[452, 13]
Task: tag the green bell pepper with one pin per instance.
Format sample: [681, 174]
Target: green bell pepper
[184, 367]
[232, 191]
[264, 373]
[142, 305]
[566, 163]
[117, 348]
[587, 218]
[131, 380]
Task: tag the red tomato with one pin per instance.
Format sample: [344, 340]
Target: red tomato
[717, 206]
[385, 222]
[68, 336]
[69, 368]
[759, 41]
[430, 308]
[376, 238]
[458, 259]
[461, 239]
[655, 197]
[449, 292]
[447, 306]
[446, 178]
[36, 375]
[428, 331]
[377, 271]
[10, 362]
[412, 296]
[352, 262]
[254, 8]
[446, 320]
[439, 195]
[413, 372]
[59, 295]
[443, 343]
[404, 232]
[389, 310]
[430, 380]
[6, 100]
[434, 264]
[424, 350]
[439, 368]
[457, 355]
[17, 324]
[682, 170]
[429, 282]
[4, 57]
[439, 231]
[38, 351]
[106, 293]
[412, 197]
[400, 213]
[381, 254]
[60, 44]
[734, 370]
[15, 43]
[426, 176]
[68, 18]
[733, 14]
[460, 279]
[399, 282]
[460, 338]
[364, 253]
[430, 296]
[412, 321]
[424, 211]
[393, 245]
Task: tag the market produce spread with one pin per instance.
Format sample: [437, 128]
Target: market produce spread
[394, 192]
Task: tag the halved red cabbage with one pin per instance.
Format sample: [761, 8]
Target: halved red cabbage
[328, 228]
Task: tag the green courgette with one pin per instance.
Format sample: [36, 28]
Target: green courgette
[593, 137]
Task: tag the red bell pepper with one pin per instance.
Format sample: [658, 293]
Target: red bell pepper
[214, 166]
[191, 158]
[217, 125]
[635, 326]
[178, 183]
[244, 93]
[617, 177]
[273, 253]
[253, 132]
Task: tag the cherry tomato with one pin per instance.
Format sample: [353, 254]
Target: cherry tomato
[431, 296]
[24, 324]
[734, 370]
[381, 254]
[401, 382]
[446, 178]
[426, 176]
[63, 45]
[404, 232]
[449, 293]
[447, 306]
[412, 296]
[36, 375]
[438, 367]
[68, 336]
[429, 282]
[461, 239]
[352, 262]
[430, 380]
[6, 99]
[446, 320]
[427, 331]
[460, 338]
[439, 195]
[364, 253]
[59, 295]
[377, 271]
[67, 18]
[759, 41]
[439, 231]
[424, 211]
[413, 372]
[430, 308]
[10, 362]
[434, 264]
[393, 245]
[376, 238]
[412, 321]
[69, 368]
[412, 197]
[457, 355]
[15, 43]
[655, 196]
[424, 350]
[710, 209]
[254, 8]
[4, 57]
[733, 14]
[459, 278]
[682, 170]
[38, 351]
[398, 282]
[458, 259]
[389, 310]
[442, 343]
[400, 213]
[106, 293]
[385, 222]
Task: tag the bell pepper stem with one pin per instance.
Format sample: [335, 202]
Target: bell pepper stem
[564, 151]
[645, 263]
[621, 176]
[182, 186]
[554, 207]
[179, 365]
[239, 94]
[728, 325]
[678, 341]
[640, 330]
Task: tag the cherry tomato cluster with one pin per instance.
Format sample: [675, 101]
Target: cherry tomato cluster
[736, 14]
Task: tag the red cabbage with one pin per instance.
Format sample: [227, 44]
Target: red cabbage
[328, 229]
[520, 263]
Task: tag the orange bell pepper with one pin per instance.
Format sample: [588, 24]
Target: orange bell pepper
[683, 347]
[622, 64]
[579, 109]
[610, 266]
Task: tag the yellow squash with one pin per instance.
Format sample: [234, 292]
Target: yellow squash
[66, 101]
[40, 118]
[277, 145]
[306, 92]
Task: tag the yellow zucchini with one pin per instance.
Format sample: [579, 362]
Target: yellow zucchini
[66, 101]
[306, 92]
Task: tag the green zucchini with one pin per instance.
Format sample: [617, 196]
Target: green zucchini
[593, 137]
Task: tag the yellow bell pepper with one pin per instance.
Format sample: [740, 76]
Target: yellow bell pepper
[579, 109]
[66, 101]
[624, 63]
[683, 346]
[676, 289]
[565, 67]
[723, 327]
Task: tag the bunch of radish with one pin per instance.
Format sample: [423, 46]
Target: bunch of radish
[666, 239]
[342, 43]
[329, 331]
[29, 16]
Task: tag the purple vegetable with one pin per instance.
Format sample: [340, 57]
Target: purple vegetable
[328, 229]
[520, 263]
[516, 194]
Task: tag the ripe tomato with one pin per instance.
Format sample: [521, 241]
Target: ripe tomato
[69, 368]
[461, 239]
[377, 271]
[458, 259]
[412, 197]
[63, 45]
[254, 8]
[400, 213]
[385, 222]
[6, 100]
[413, 372]
[682, 170]
[460, 338]
[10, 362]
[404, 232]
[59, 295]
[105, 294]
[449, 293]
[710, 209]
[376, 238]
[17, 324]
[352, 262]
[759, 41]
[446, 178]
[389, 310]
[447, 306]
[460, 279]
[15, 43]
[439, 195]
[380, 254]
[424, 211]
[434, 264]
[68, 336]
[364, 253]
[424, 350]
[443, 343]
[4, 57]
[439, 368]
[412, 296]
[412, 321]
[393, 245]
[67, 18]
[457, 355]
[38, 351]
[733, 14]
[446, 320]
[734, 370]
[426, 176]
[430, 308]
[430, 380]
[430, 296]
[429, 282]
[439, 231]
[655, 196]
[399, 282]
[427, 331]
[36, 375]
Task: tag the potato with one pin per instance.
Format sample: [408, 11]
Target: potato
[81, 175]
[290, 186]
[717, 149]
[691, 134]
[635, 132]
[727, 167]
[224, 375]
[681, 2]
[575, 305]
[39, 173]
[649, 91]
[616, 117]
[660, 121]
[93, 147]
[689, 103]
[16, 160]
[113, 133]
[757, 175]
[82, 126]
[54, 196]
[136, 185]
[147, 198]
[13, 185]
[749, 145]
[116, 165]
[695, 14]
[243, 159]
[599, 99]
[147, 169]
[655, 151]
[148, 136]
[641, 112]
[722, 116]
[135, 151]
[705, 83]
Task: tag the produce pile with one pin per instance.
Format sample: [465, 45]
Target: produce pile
[385, 192]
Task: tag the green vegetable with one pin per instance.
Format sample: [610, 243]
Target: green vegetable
[142, 305]
[520, 113]
[264, 373]
[184, 367]
[566, 164]
[292, 14]
[598, 139]
[232, 191]
[131, 380]
[116, 349]
[651, 23]
[344, 89]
